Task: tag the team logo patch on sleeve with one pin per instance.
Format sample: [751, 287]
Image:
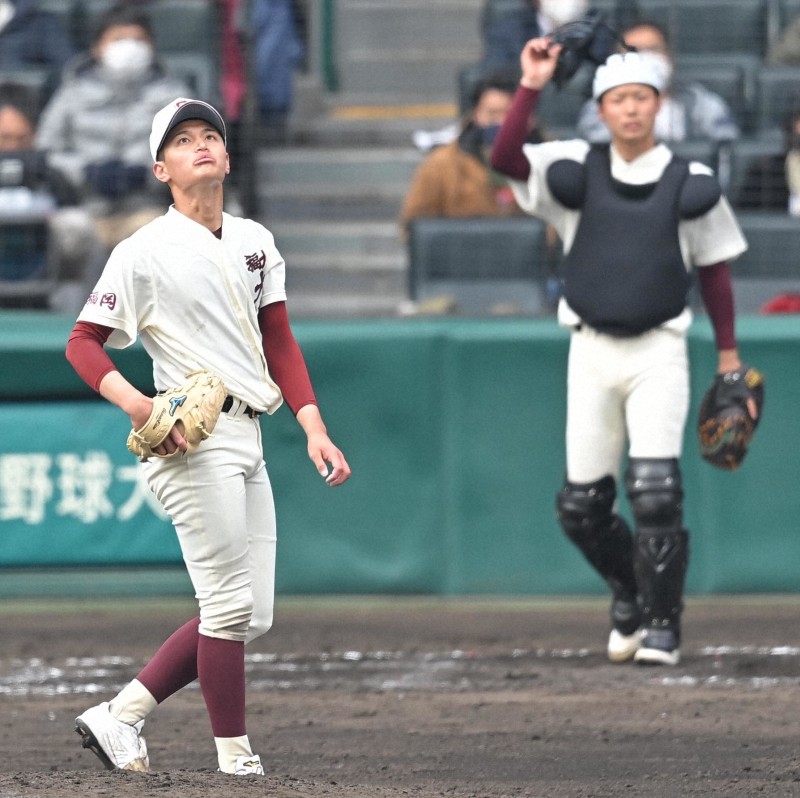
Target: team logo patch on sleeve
[110, 300]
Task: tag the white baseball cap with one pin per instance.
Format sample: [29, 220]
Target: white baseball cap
[179, 110]
[622, 68]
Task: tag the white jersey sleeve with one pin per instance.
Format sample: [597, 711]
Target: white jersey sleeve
[535, 197]
[715, 236]
[121, 297]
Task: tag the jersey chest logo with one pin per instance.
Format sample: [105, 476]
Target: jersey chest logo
[256, 261]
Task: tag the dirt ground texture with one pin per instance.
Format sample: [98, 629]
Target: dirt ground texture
[389, 697]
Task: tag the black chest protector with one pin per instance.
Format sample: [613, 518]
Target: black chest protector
[624, 273]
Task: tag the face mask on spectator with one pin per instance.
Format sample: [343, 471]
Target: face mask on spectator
[127, 59]
[560, 12]
[489, 134]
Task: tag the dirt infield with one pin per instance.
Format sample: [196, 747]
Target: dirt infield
[409, 697]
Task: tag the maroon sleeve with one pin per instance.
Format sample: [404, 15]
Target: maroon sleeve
[717, 293]
[284, 358]
[507, 155]
[86, 354]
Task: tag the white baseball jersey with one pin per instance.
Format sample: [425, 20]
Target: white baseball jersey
[194, 300]
[712, 238]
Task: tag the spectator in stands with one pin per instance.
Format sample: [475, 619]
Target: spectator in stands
[688, 110]
[33, 39]
[455, 179]
[96, 125]
[28, 184]
[786, 49]
[278, 51]
[772, 183]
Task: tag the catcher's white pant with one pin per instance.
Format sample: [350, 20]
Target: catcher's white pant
[616, 387]
[220, 501]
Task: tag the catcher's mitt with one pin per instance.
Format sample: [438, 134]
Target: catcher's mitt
[194, 406]
[724, 425]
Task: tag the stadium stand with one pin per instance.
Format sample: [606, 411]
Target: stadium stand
[484, 264]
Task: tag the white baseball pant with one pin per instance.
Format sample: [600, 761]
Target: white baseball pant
[635, 387]
[220, 501]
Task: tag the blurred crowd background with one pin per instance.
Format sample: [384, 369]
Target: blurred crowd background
[359, 132]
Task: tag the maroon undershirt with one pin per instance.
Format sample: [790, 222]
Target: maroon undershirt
[284, 358]
[509, 159]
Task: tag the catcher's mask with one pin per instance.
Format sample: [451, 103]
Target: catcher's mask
[589, 38]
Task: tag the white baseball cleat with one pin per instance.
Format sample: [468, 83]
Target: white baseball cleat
[622, 648]
[118, 745]
[248, 766]
[659, 647]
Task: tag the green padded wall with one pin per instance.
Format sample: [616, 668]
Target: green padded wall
[454, 430]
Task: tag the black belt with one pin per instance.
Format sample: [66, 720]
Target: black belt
[231, 403]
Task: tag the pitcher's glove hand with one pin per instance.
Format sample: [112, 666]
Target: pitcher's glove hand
[194, 406]
[726, 423]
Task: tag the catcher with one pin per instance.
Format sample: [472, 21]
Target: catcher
[205, 293]
[635, 222]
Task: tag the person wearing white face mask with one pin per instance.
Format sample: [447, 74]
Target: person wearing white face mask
[96, 124]
[688, 109]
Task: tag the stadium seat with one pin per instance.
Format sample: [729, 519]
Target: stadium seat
[27, 269]
[778, 92]
[558, 111]
[745, 155]
[712, 26]
[38, 81]
[774, 241]
[493, 10]
[703, 150]
[769, 267]
[787, 11]
[729, 81]
[486, 265]
[198, 71]
[187, 26]
[731, 75]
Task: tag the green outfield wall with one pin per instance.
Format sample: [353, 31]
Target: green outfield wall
[454, 430]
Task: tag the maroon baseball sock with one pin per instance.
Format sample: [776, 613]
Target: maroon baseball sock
[220, 665]
[174, 665]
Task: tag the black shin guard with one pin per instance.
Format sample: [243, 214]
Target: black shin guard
[661, 553]
[585, 512]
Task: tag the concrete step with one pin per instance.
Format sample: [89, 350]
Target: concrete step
[416, 46]
[304, 184]
[305, 167]
[338, 239]
[365, 122]
[323, 305]
[361, 203]
[377, 276]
